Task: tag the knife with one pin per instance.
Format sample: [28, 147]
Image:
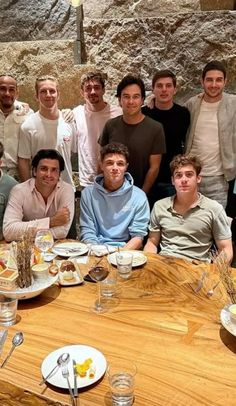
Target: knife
[3, 336]
[75, 379]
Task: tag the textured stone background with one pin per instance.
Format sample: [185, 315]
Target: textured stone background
[119, 36]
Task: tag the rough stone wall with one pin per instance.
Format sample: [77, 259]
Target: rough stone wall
[120, 36]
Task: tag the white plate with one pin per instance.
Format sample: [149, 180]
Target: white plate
[64, 249]
[37, 287]
[79, 353]
[138, 258]
[226, 321]
[78, 278]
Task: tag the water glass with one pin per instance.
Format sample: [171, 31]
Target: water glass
[124, 264]
[109, 285]
[121, 374]
[8, 308]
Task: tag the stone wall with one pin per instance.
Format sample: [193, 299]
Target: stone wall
[118, 36]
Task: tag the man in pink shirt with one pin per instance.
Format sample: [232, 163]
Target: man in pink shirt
[42, 202]
[90, 120]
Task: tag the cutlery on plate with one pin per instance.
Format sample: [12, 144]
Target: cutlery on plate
[75, 379]
[16, 341]
[68, 249]
[60, 359]
[65, 374]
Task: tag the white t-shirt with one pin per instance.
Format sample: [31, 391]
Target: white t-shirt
[9, 135]
[90, 125]
[38, 133]
[206, 144]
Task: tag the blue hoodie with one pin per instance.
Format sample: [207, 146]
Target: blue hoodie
[113, 217]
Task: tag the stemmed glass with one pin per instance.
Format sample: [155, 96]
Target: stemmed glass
[98, 271]
[44, 241]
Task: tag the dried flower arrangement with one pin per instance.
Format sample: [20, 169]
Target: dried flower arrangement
[23, 250]
[226, 277]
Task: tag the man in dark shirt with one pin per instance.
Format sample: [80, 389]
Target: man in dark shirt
[175, 120]
[143, 136]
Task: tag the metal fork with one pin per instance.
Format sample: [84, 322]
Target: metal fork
[65, 374]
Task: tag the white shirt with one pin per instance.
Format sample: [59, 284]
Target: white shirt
[9, 135]
[90, 125]
[37, 133]
[206, 144]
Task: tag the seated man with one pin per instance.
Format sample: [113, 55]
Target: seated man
[187, 224]
[112, 210]
[43, 202]
[6, 184]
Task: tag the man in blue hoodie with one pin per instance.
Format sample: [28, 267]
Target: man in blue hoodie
[113, 211]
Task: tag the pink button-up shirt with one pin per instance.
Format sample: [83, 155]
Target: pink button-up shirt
[27, 208]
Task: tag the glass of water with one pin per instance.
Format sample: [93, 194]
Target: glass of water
[44, 241]
[121, 377]
[124, 260]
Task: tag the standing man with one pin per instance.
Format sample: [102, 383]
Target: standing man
[212, 135]
[187, 224]
[90, 120]
[175, 120]
[6, 184]
[43, 201]
[143, 136]
[46, 129]
[12, 114]
[113, 211]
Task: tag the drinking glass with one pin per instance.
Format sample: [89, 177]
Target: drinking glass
[98, 270]
[121, 374]
[44, 241]
[8, 309]
[124, 262]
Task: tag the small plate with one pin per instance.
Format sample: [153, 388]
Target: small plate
[70, 249]
[79, 353]
[226, 321]
[49, 256]
[138, 258]
[37, 287]
[78, 278]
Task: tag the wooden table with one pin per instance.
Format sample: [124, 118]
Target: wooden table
[183, 354]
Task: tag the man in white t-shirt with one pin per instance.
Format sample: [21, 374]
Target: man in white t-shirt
[46, 129]
[12, 114]
[90, 120]
[212, 135]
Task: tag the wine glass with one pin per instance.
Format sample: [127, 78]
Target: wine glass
[44, 241]
[98, 271]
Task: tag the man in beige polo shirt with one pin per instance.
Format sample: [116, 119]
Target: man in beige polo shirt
[187, 224]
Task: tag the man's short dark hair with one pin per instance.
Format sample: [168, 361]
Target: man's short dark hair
[1, 150]
[114, 148]
[183, 160]
[98, 76]
[48, 154]
[164, 73]
[130, 80]
[214, 65]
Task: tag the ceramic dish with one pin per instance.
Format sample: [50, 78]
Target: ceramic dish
[37, 287]
[79, 353]
[138, 258]
[226, 320]
[77, 277]
[70, 249]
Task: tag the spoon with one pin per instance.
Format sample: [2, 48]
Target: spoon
[61, 360]
[16, 341]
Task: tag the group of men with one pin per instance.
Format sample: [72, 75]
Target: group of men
[138, 144]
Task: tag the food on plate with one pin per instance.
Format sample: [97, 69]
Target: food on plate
[53, 269]
[67, 270]
[84, 368]
[8, 278]
[40, 271]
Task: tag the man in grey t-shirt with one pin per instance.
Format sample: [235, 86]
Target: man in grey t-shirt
[143, 136]
[187, 224]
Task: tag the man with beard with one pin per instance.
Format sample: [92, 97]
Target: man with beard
[12, 114]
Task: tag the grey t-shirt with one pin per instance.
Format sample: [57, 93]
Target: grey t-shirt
[143, 139]
[190, 235]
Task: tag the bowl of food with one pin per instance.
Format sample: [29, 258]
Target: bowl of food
[40, 271]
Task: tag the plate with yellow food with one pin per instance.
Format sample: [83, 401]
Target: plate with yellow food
[90, 366]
